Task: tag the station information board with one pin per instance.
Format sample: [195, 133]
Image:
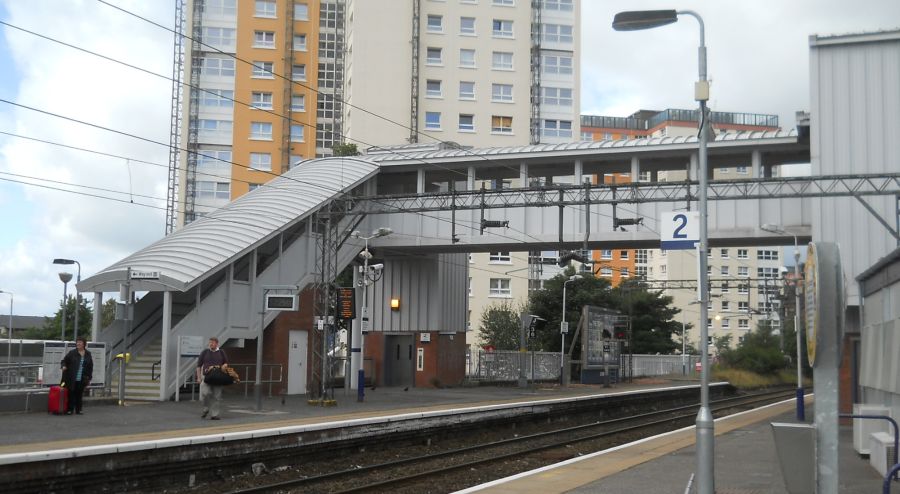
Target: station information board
[598, 349]
[346, 303]
[55, 351]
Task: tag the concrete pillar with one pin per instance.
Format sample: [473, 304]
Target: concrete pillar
[635, 169]
[756, 164]
[98, 316]
[165, 372]
[420, 181]
[694, 167]
[579, 172]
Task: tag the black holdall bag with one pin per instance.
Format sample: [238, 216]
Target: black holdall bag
[215, 376]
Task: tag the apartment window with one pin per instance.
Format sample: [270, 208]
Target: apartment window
[217, 98]
[213, 160]
[298, 102]
[219, 37]
[467, 26]
[502, 28]
[623, 272]
[502, 93]
[663, 269]
[767, 272]
[500, 287]
[297, 133]
[501, 124]
[263, 70]
[640, 271]
[252, 187]
[767, 255]
[466, 58]
[466, 90]
[261, 131]
[557, 33]
[557, 128]
[743, 254]
[556, 64]
[217, 66]
[505, 3]
[299, 42]
[433, 88]
[502, 60]
[261, 161]
[261, 101]
[743, 324]
[210, 129]
[744, 271]
[466, 122]
[556, 96]
[433, 120]
[743, 289]
[294, 160]
[433, 56]
[264, 8]
[709, 325]
[724, 271]
[743, 306]
[298, 72]
[623, 254]
[725, 288]
[726, 305]
[726, 324]
[263, 39]
[435, 23]
[301, 12]
[220, 8]
[606, 272]
[741, 170]
[606, 254]
[560, 5]
[213, 190]
[500, 257]
[723, 253]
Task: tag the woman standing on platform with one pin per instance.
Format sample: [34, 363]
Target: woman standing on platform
[78, 370]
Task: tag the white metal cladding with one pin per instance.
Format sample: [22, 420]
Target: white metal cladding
[223, 236]
[855, 121]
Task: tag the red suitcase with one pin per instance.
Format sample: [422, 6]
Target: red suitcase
[58, 401]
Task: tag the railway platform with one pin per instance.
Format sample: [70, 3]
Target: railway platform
[745, 463]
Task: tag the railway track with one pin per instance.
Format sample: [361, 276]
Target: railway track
[462, 467]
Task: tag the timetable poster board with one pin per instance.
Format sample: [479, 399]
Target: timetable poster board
[55, 351]
[597, 347]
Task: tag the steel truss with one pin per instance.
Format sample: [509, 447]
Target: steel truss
[632, 193]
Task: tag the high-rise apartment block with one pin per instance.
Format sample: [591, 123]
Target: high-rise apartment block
[273, 82]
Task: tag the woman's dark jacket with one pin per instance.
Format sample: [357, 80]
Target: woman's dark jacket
[71, 364]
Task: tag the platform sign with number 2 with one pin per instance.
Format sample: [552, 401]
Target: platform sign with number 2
[679, 230]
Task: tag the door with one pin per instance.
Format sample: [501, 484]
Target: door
[399, 360]
[297, 353]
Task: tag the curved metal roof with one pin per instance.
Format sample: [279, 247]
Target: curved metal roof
[573, 146]
[221, 236]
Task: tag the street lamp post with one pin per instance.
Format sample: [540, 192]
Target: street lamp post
[65, 278]
[563, 329]
[637, 20]
[801, 412]
[9, 329]
[77, 293]
[366, 255]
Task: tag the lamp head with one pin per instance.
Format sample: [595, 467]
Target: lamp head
[772, 228]
[376, 267]
[382, 232]
[63, 261]
[65, 277]
[575, 277]
[635, 20]
[355, 234]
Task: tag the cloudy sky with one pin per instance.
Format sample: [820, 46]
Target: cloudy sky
[758, 63]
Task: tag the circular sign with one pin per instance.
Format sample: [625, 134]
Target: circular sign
[811, 291]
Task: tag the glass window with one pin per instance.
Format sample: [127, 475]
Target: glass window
[506, 3]
[557, 64]
[726, 324]
[466, 58]
[300, 42]
[606, 254]
[743, 271]
[466, 90]
[261, 100]
[261, 161]
[263, 70]
[263, 39]
[744, 306]
[212, 65]
[265, 8]
[433, 56]
[743, 254]
[502, 60]
[767, 255]
[623, 254]
[502, 93]
[213, 160]
[724, 253]
[433, 120]
[433, 88]
[724, 271]
[502, 28]
[296, 133]
[298, 102]
[725, 287]
[467, 26]
[743, 324]
[606, 272]
[222, 38]
[252, 187]
[557, 33]
[216, 98]
[213, 190]
[500, 287]
[503, 257]
[213, 129]
[726, 305]
[220, 8]
[741, 169]
[743, 289]
[623, 272]
[435, 23]
[466, 122]
[501, 124]
[556, 96]
[560, 5]
[301, 12]
[557, 128]
[261, 131]
[298, 72]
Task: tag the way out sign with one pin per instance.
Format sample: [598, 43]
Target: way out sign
[679, 230]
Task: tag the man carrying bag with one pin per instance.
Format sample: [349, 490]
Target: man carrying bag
[211, 360]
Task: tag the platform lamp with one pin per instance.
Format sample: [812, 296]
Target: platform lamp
[65, 278]
[365, 255]
[801, 412]
[77, 293]
[649, 19]
[9, 329]
[563, 329]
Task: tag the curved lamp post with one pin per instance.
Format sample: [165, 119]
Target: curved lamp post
[563, 329]
[65, 278]
[648, 19]
[801, 412]
[77, 293]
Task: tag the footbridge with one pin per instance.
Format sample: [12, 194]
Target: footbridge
[207, 279]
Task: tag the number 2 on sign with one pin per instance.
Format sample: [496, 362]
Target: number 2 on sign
[683, 223]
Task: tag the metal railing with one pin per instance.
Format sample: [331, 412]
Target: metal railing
[247, 373]
[19, 375]
[896, 433]
[503, 366]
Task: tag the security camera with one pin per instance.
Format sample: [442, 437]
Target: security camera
[377, 267]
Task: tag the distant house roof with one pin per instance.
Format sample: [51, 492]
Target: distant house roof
[22, 322]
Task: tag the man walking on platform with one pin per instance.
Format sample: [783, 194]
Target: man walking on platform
[211, 394]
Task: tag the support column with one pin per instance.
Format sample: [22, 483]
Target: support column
[579, 172]
[756, 164]
[164, 364]
[355, 337]
[693, 168]
[98, 316]
[635, 169]
[420, 181]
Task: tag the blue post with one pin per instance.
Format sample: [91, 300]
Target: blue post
[361, 382]
[801, 412]
[886, 486]
[896, 434]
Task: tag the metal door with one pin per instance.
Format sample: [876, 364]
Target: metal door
[399, 360]
[297, 353]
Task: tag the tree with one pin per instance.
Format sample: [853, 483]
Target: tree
[759, 352]
[500, 326]
[52, 329]
[345, 150]
[108, 313]
[652, 317]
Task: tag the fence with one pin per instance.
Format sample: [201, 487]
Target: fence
[20, 375]
[663, 365]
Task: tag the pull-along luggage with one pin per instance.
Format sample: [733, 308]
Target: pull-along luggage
[58, 401]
